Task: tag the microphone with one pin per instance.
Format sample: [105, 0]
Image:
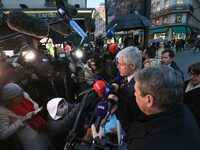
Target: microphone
[113, 48]
[112, 99]
[101, 112]
[111, 88]
[61, 27]
[89, 24]
[119, 79]
[62, 10]
[99, 86]
[70, 10]
[26, 24]
[111, 32]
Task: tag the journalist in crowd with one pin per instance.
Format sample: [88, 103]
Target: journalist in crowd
[19, 118]
[167, 124]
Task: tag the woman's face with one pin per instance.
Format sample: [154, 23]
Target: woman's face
[93, 65]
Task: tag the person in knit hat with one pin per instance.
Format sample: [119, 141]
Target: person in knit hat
[18, 117]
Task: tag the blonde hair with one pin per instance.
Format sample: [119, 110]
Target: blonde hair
[152, 62]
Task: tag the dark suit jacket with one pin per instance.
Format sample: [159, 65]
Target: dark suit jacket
[127, 106]
[174, 129]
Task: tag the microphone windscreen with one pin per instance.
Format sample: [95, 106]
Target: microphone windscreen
[102, 109]
[119, 78]
[89, 24]
[109, 89]
[26, 24]
[113, 98]
[99, 87]
[72, 11]
[113, 48]
[116, 87]
[62, 28]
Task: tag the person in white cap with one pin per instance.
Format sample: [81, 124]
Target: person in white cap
[61, 119]
[18, 116]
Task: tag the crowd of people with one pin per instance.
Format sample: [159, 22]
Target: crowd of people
[156, 109]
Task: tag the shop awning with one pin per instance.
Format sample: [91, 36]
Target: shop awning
[158, 30]
[154, 31]
[179, 29]
[189, 30]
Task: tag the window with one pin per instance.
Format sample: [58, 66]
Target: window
[178, 18]
[165, 20]
[158, 6]
[179, 1]
[157, 22]
[166, 4]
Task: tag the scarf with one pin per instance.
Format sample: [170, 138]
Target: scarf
[25, 106]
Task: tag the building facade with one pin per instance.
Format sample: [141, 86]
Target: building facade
[175, 19]
[100, 19]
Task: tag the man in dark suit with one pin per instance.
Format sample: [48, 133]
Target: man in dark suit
[129, 61]
[167, 124]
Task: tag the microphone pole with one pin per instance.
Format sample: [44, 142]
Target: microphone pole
[72, 134]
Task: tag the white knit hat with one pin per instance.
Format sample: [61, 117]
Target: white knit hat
[52, 107]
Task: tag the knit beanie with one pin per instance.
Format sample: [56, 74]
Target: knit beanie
[52, 107]
[11, 90]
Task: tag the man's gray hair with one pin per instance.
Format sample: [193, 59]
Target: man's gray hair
[163, 83]
[131, 55]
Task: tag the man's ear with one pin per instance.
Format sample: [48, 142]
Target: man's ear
[150, 101]
[133, 66]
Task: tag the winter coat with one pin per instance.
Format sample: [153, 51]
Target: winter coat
[11, 124]
[174, 129]
[192, 100]
[57, 130]
[89, 75]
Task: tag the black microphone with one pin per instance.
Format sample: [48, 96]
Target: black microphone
[67, 9]
[89, 24]
[61, 27]
[26, 24]
[101, 111]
